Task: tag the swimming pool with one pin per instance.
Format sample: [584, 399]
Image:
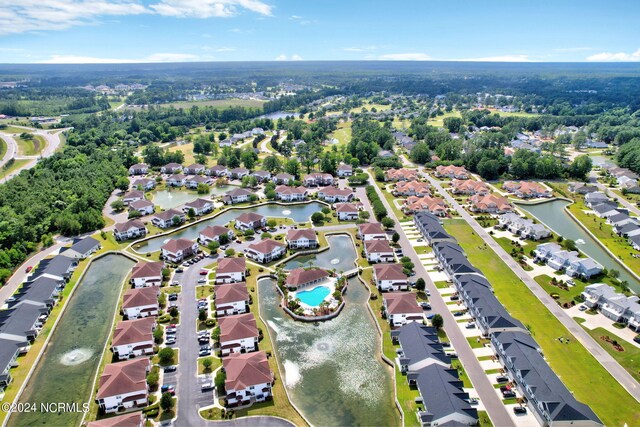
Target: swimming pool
[313, 297]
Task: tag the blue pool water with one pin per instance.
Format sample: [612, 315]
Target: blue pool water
[313, 297]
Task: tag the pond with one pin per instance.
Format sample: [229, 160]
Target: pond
[66, 370]
[299, 213]
[333, 372]
[278, 115]
[341, 255]
[172, 198]
[554, 216]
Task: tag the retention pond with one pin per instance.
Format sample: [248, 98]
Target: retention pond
[66, 370]
[554, 216]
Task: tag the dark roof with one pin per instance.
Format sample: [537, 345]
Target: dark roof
[56, 266]
[442, 393]
[8, 350]
[553, 395]
[84, 245]
[40, 290]
[419, 342]
[19, 320]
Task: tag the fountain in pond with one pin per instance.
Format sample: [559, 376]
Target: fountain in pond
[335, 261]
[76, 356]
[286, 212]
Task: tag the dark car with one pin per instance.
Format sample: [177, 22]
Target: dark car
[519, 410]
[179, 270]
[168, 388]
[502, 379]
[171, 368]
[637, 338]
[425, 306]
[455, 297]
[172, 297]
[508, 394]
[458, 313]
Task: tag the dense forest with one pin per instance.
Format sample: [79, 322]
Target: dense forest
[62, 194]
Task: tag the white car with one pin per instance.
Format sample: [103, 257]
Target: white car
[582, 308]
[202, 280]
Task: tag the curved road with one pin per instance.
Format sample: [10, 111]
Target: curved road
[605, 359]
[52, 138]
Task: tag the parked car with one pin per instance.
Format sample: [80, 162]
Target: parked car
[168, 388]
[445, 344]
[425, 306]
[28, 269]
[453, 355]
[171, 368]
[203, 340]
[207, 386]
[455, 297]
[519, 410]
[430, 316]
[203, 280]
[205, 350]
[171, 330]
[179, 270]
[637, 339]
[502, 379]
[458, 313]
[470, 325]
[582, 308]
[172, 297]
[203, 272]
[504, 388]
[508, 394]
[473, 401]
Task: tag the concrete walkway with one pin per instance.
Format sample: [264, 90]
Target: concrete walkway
[493, 404]
[607, 361]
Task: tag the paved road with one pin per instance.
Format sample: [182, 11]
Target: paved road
[12, 148]
[624, 202]
[190, 396]
[493, 404]
[607, 361]
[52, 143]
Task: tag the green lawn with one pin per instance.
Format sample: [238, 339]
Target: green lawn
[605, 234]
[17, 164]
[564, 296]
[342, 134]
[13, 129]
[629, 358]
[3, 148]
[30, 147]
[217, 362]
[578, 369]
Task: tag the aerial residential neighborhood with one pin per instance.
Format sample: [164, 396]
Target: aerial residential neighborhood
[288, 217]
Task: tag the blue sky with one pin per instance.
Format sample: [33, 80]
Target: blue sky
[76, 31]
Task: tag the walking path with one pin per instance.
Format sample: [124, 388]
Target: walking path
[605, 359]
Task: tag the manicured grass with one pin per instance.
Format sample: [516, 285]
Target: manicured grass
[605, 234]
[475, 343]
[204, 291]
[17, 164]
[368, 106]
[391, 199]
[171, 289]
[3, 148]
[441, 284]
[462, 374]
[577, 368]
[342, 134]
[187, 150]
[13, 129]
[217, 362]
[629, 358]
[176, 356]
[484, 420]
[439, 120]
[422, 249]
[565, 296]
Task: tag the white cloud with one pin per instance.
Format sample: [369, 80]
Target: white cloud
[209, 8]
[156, 57]
[41, 15]
[283, 57]
[615, 57]
[361, 48]
[405, 57]
[572, 49]
[295, 17]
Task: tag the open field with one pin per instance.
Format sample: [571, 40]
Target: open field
[577, 368]
[30, 147]
[342, 134]
[506, 114]
[368, 106]
[3, 148]
[218, 103]
[12, 129]
[439, 121]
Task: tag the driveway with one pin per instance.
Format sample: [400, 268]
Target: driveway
[606, 360]
[493, 404]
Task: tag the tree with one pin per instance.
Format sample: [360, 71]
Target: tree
[191, 213]
[176, 220]
[271, 222]
[215, 334]
[166, 355]
[166, 401]
[272, 164]
[133, 214]
[437, 321]
[202, 315]
[122, 184]
[203, 188]
[220, 380]
[579, 140]
[158, 333]
[388, 222]
[118, 205]
[317, 217]
[153, 378]
[248, 158]
[249, 181]
[249, 232]
[420, 284]
[363, 215]
[213, 246]
[229, 252]
[581, 167]
[207, 362]
[292, 167]
[223, 239]
[395, 238]
[489, 168]
[326, 210]
[420, 153]
[452, 124]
